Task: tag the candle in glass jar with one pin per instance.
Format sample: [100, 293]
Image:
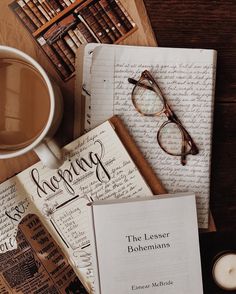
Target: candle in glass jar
[224, 271]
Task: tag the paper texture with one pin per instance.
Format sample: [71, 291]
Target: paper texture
[148, 246]
[186, 77]
[82, 93]
[97, 166]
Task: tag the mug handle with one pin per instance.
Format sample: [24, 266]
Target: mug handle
[48, 156]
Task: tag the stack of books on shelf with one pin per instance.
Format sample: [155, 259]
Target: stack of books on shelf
[61, 26]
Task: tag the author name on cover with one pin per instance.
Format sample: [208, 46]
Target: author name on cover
[152, 285]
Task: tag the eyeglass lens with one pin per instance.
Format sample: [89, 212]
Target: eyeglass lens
[147, 101]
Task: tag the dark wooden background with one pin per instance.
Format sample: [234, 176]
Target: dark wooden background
[209, 24]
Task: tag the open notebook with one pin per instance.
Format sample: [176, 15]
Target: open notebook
[98, 165]
[187, 79]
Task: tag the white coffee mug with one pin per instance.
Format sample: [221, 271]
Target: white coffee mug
[48, 153]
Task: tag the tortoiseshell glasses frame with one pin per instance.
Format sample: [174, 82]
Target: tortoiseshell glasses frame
[147, 82]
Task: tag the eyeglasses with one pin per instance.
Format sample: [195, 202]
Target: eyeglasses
[172, 136]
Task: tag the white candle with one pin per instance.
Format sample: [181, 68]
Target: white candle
[224, 271]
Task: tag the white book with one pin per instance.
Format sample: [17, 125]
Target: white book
[187, 79]
[148, 246]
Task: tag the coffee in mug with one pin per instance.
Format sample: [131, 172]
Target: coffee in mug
[24, 104]
[30, 107]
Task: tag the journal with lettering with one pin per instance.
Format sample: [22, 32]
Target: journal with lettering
[148, 246]
[186, 78]
[102, 164]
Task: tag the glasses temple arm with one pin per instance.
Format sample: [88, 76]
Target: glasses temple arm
[135, 82]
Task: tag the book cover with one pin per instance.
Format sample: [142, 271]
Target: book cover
[146, 246]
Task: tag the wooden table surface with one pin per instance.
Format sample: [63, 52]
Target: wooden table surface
[209, 24]
[190, 24]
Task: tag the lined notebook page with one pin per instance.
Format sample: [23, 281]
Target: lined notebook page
[186, 77]
[97, 167]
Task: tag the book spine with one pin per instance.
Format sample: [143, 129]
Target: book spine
[108, 20]
[86, 31]
[24, 18]
[94, 25]
[70, 43]
[55, 6]
[67, 2]
[63, 57]
[125, 12]
[109, 9]
[74, 37]
[47, 8]
[80, 36]
[36, 11]
[66, 49]
[29, 13]
[42, 10]
[96, 13]
[62, 4]
[53, 57]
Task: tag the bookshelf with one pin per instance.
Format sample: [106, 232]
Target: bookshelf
[60, 32]
[57, 17]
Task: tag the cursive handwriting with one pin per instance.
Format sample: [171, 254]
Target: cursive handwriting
[67, 176]
[186, 79]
